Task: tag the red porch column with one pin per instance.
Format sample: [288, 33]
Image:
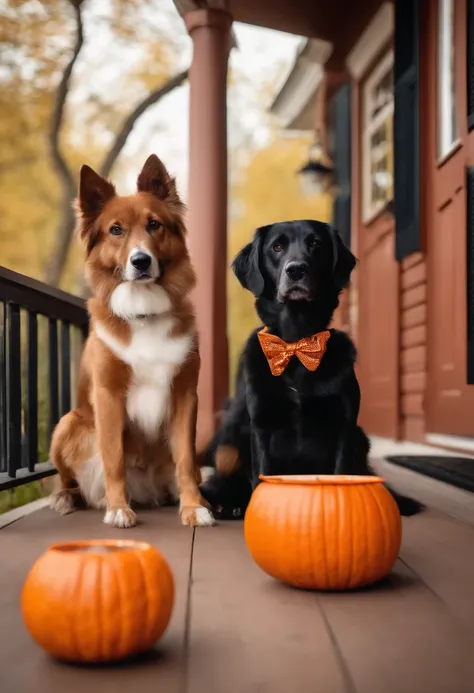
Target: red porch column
[210, 31]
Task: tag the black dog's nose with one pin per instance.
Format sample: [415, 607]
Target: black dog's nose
[141, 261]
[296, 270]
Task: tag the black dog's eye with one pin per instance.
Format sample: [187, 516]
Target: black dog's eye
[116, 230]
[314, 243]
[278, 247]
[153, 225]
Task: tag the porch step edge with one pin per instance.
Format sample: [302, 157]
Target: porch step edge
[455, 502]
[16, 514]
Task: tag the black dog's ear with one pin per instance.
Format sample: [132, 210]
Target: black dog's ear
[246, 266]
[343, 261]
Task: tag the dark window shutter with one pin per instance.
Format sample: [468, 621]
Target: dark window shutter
[470, 63]
[406, 129]
[470, 274]
[341, 116]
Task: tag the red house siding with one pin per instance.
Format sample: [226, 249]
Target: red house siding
[413, 345]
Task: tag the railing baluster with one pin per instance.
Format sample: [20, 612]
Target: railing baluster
[3, 388]
[53, 375]
[65, 368]
[13, 388]
[24, 386]
[32, 384]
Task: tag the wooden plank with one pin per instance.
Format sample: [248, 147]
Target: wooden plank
[413, 359]
[414, 336]
[413, 297]
[414, 316]
[401, 638]
[413, 428]
[412, 404]
[414, 276]
[441, 550]
[413, 382]
[26, 669]
[412, 260]
[249, 632]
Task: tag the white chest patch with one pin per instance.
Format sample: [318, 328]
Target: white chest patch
[154, 357]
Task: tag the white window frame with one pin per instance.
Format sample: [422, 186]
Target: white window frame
[370, 210]
[447, 125]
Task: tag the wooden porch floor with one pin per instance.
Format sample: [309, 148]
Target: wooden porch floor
[235, 630]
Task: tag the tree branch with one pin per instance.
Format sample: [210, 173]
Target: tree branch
[62, 241]
[57, 117]
[127, 127]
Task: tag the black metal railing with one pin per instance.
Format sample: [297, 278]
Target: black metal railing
[42, 330]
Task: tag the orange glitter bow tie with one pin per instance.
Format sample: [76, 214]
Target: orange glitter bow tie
[309, 350]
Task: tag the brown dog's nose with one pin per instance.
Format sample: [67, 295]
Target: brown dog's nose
[141, 261]
[296, 270]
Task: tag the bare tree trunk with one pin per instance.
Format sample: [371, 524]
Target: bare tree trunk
[57, 260]
[65, 230]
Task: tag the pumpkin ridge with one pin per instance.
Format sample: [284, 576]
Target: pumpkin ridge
[124, 629]
[386, 530]
[363, 510]
[75, 637]
[324, 561]
[98, 621]
[337, 515]
[148, 601]
[305, 511]
[350, 541]
[368, 534]
[312, 559]
[278, 518]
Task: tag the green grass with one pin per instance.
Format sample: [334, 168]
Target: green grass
[21, 495]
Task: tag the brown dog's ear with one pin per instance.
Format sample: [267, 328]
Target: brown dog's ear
[94, 192]
[155, 179]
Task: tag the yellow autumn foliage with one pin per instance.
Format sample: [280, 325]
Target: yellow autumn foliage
[268, 191]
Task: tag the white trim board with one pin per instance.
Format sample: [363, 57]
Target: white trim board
[377, 34]
[301, 83]
[454, 442]
[382, 447]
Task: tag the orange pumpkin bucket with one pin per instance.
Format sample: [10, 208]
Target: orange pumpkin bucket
[98, 601]
[323, 532]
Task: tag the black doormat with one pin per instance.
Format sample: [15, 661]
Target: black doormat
[457, 471]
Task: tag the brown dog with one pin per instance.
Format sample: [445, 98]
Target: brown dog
[132, 436]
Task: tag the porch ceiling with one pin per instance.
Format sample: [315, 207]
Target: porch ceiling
[337, 21]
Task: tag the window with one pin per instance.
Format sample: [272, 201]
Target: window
[377, 155]
[447, 116]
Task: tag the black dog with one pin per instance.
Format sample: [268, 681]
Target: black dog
[298, 420]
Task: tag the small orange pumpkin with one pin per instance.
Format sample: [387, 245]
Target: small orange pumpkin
[98, 601]
[323, 532]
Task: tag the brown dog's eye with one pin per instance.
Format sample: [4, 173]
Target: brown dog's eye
[277, 247]
[153, 225]
[116, 230]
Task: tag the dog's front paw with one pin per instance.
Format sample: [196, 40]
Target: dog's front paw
[62, 502]
[197, 517]
[120, 517]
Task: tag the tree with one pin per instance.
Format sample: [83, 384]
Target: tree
[64, 233]
[62, 111]
[266, 190]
